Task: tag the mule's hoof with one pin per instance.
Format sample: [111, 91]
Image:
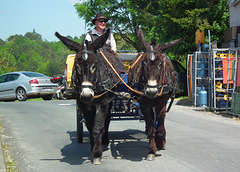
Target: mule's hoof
[151, 157]
[97, 161]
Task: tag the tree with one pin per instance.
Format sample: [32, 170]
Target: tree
[2, 43]
[164, 20]
[7, 61]
[33, 35]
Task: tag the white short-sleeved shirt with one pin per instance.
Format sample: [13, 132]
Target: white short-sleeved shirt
[111, 41]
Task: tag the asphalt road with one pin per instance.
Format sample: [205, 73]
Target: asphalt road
[42, 137]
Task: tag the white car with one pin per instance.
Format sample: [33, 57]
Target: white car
[23, 85]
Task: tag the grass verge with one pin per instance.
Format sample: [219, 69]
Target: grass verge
[9, 161]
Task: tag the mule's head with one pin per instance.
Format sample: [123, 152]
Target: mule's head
[157, 74]
[85, 65]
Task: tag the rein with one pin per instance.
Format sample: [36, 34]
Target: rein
[136, 91]
[164, 67]
[130, 88]
[110, 90]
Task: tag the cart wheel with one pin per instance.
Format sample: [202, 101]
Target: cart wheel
[79, 123]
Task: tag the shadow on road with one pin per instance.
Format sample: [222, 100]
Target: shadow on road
[76, 153]
[183, 102]
[131, 145]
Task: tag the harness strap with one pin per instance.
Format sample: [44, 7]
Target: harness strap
[135, 91]
[130, 88]
[164, 66]
[152, 51]
[100, 95]
[86, 51]
[136, 61]
[110, 90]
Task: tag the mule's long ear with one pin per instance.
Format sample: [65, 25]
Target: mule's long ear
[168, 45]
[72, 45]
[141, 38]
[99, 42]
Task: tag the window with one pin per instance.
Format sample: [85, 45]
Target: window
[3, 78]
[33, 74]
[12, 77]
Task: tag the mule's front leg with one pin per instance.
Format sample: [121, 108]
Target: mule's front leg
[161, 132]
[150, 129]
[98, 131]
[105, 138]
[152, 149]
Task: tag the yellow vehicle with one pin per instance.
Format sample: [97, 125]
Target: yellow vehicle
[68, 71]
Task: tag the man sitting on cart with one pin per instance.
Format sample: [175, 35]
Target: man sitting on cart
[100, 21]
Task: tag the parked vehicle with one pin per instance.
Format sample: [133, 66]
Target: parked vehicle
[57, 80]
[60, 89]
[23, 85]
[61, 92]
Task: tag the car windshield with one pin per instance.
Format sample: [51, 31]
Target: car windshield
[33, 74]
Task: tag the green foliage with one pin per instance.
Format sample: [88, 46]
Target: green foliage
[31, 53]
[7, 61]
[33, 35]
[163, 20]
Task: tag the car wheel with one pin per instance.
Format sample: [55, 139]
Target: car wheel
[62, 96]
[21, 94]
[47, 97]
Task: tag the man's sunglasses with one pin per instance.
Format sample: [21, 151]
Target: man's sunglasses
[101, 21]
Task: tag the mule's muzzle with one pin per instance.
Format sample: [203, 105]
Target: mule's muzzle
[151, 89]
[87, 93]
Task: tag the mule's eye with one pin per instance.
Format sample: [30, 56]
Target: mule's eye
[144, 65]
[93, 68]
[160, 65]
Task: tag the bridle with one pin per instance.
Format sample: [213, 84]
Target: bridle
[152, 57]
[84, 69]
[85, 53]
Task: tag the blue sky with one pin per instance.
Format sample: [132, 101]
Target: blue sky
[45, 16]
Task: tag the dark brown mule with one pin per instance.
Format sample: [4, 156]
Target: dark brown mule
[154, 76]
[92, 76]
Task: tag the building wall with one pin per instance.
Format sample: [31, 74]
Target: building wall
[234, 12]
